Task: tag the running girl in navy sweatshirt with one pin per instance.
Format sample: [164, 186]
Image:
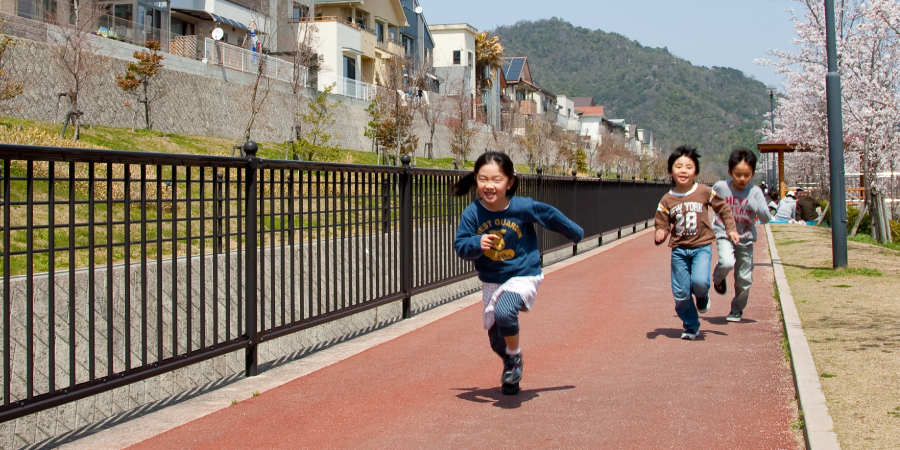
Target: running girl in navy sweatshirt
[497, 232]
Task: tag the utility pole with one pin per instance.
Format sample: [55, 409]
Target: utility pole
[835, 145]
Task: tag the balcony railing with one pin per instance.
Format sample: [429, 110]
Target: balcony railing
[347, 87]
[225, 55]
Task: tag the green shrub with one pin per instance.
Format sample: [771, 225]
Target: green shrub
[895, 230]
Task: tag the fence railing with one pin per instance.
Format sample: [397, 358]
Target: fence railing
[232, 57]
[120, 266]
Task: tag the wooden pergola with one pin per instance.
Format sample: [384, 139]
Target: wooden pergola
[781, 147]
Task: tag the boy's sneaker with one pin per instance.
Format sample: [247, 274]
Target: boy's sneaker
[689, 335]
[703, 304]
[720, 287]
[512, 369]
[734, 317]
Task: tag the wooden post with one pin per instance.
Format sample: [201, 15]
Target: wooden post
[781, 186]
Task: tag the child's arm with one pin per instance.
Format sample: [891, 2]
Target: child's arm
[661, 223]
[759, 206]
[720, 206]
[553, 220]
[467, 243]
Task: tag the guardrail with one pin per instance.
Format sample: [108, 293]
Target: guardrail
[120, 266]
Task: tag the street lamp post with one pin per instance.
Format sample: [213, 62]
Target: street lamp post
[770, 166]
[835, 145]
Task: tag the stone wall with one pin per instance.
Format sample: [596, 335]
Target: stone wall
[199, 98]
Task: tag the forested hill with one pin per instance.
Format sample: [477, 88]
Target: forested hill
[715, 109]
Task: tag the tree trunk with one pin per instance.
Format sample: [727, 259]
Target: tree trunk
[146, 108]
[862, 213]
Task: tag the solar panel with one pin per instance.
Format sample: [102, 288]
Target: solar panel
[514, 69]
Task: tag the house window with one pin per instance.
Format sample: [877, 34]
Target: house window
[349, 68]
[471, 59]
[379, 31]
[300, 11]
[456, 57]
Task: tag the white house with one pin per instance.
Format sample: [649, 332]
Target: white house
[454, 57]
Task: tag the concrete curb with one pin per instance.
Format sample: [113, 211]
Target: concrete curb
[818, 428]
[159, 422]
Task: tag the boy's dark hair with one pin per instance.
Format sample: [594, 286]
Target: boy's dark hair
[690, 152]
[464, 185]
[740, 155]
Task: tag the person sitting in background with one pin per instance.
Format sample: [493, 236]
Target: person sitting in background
[787, 209]
[806, 207]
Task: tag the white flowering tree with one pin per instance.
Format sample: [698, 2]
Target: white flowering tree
[868, 53]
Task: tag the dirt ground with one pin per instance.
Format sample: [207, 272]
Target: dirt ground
[852, 322]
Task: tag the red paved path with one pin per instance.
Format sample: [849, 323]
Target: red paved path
[604, 368]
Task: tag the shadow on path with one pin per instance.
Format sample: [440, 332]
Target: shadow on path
[675, 333]
[723, 321]
[495, 395]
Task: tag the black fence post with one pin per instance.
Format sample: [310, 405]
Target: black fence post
[538, 193]
[250, 258]
[575, 203]
[220, 212]
[406, 236]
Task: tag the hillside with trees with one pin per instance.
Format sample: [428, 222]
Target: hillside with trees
[715, 109]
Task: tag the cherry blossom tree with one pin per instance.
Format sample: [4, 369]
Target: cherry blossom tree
[868, 52]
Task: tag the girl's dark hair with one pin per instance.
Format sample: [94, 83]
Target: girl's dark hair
[464, 185]
[740, 155]
[690, 152]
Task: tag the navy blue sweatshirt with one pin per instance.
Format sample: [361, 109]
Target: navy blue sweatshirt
[516, 253]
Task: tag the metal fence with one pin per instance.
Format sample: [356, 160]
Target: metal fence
[119, 266]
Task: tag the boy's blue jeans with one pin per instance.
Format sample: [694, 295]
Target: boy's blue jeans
[690, 274]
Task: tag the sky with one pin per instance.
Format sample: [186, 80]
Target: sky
[724, 33]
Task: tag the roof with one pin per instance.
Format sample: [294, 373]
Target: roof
[590, 110]
[583, 101]
[453, 27]
[513, 72]
[781, 146]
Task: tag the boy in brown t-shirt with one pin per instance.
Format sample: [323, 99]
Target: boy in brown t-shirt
[684, 212]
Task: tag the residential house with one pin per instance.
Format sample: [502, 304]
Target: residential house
[454, 61]
[568, 116]
[180, 26]
[530, 97]
[454, 57]
[416, 38]
[355, 41]
[591, 120]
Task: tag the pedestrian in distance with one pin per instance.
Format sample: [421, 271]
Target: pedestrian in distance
[748, 204]
[497, 233]
[787, 209]
[806, 207]
[683, 215]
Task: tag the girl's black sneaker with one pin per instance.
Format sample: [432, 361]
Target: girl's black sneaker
[512, 370]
